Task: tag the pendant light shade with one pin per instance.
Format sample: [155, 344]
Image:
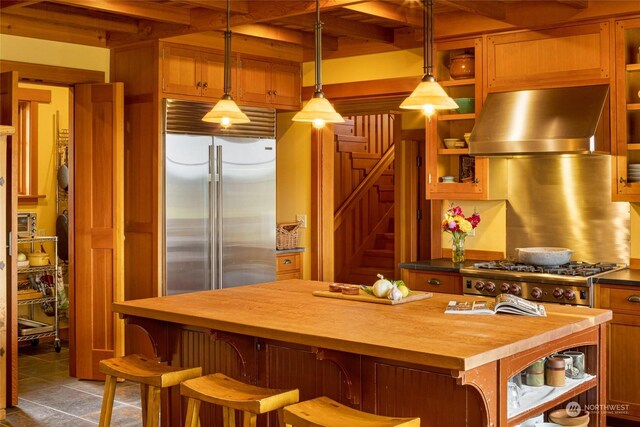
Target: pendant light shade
[318, 111]
[226, 111]
[429, 95]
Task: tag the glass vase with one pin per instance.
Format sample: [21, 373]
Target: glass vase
[457, 249]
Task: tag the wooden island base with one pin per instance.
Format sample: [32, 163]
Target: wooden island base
[410, 360]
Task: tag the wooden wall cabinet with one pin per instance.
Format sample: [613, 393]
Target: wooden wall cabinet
[570, 55]
[626, 187]
[289, 266]
[194, 72]
[471, 174]
[268, 83]
[433, 281]
[623, 374]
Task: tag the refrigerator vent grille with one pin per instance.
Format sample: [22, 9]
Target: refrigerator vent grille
[185, 117]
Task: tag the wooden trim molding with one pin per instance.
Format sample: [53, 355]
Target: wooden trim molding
[478, 254]
[322, 230]
[52, 74]
[367, 89]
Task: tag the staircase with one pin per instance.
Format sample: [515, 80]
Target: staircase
[364, 198]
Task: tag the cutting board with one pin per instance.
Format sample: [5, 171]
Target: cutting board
[363, 296]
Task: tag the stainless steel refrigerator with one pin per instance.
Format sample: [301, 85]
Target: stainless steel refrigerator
[220, 212]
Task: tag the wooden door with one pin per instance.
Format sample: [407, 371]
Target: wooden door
[8, 294]
[253, 81]
[213, 76]
[285, 85]
[98, 188]
[181, 72]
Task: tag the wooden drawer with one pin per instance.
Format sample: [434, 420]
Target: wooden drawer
[289, 266]
[432, 281]
[625, 299]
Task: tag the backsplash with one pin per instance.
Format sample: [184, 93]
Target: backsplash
[566, 202]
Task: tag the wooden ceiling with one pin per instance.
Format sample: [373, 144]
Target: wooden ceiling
[348, 25]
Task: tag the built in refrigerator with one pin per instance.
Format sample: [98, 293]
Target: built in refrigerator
[220, 224]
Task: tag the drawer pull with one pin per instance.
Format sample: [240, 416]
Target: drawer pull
[286, 261]
[434, 282]
[634, 298]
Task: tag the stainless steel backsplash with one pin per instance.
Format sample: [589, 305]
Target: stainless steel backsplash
[566, 202]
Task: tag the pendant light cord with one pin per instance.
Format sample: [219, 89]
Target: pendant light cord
[227, 53]
[427, 33]
[318, 47]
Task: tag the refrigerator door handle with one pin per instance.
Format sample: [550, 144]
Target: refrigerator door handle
[219, 242]
[213, 190]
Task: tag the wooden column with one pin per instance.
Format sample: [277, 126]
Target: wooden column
[322, 158]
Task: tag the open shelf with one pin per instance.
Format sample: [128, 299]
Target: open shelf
[631, 146]
[470, 116]
[543, 398]
[460, 82]
[633, 107]
[453, 151]
[633, 67]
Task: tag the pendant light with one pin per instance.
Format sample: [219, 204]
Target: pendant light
[429, 95]
[318, 110]
[226, 111]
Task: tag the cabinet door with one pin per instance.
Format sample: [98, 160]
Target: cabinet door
[181, 72]
[288, 266]
[285, 85]
[254, 81]
[627, 145]
[213, 75]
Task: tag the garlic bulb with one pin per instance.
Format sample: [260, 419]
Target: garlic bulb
[395, 294]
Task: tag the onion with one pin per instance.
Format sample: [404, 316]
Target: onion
[382, 287]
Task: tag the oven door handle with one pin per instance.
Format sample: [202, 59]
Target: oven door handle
[634, 298]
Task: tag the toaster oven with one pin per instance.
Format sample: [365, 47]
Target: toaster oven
[27, 225]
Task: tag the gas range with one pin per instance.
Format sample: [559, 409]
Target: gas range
[564, 284]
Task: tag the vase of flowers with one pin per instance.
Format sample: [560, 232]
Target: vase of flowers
[459, 227]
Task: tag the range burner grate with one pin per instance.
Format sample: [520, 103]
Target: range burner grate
[574, 268]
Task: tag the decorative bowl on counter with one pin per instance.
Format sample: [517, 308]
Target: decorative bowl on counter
[544, 255]
[466, 105]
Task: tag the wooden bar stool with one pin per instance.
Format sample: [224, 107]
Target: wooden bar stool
[152, 376]
[324, 412]
[233, 395]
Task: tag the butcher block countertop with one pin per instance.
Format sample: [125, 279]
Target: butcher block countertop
[417, 332]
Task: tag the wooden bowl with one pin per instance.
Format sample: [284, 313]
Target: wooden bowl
[351, 290]
[562, 417]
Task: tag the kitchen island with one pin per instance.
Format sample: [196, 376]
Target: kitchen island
[404, 360]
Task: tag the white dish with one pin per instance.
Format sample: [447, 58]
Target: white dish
[447, 179]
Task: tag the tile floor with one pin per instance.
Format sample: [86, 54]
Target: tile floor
[48, 396]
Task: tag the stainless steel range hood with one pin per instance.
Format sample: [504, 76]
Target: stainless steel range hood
[543, 121]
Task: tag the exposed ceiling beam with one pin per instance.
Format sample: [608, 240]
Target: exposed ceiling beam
[577, 4]
[236, 6]
[14, 4]
[409, 16]
[490, 9]
[343, 27]
[329, 43]
[25, 27]
[136, 9]
[60, 18]
[270, 32]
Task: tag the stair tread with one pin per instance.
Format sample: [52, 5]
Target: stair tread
[379, 252]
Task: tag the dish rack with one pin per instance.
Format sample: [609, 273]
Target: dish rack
[287, 235]
[37, 286]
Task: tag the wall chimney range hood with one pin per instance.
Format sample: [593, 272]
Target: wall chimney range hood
[567, 120]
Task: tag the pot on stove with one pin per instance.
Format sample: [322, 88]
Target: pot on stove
[544, 255]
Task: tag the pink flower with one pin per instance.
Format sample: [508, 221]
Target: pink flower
[456, 211]
[453, 226]
[474, 219]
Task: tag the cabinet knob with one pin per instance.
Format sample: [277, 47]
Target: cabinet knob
[1, 265]
[622, 180]
[198, 84]
[434, 282]
[275, 93]
[634, 298]
[476, 180]
[205, 85]
[286, 261]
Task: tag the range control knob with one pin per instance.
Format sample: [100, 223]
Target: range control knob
[490, 287]
[504, 288]
[536, 293]
[558, 293]
[516, 289]
[479, 285]
[570, 295]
